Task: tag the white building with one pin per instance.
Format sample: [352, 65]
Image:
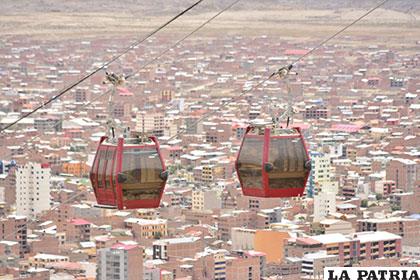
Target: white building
[324, 204]
[120, 262]
[153, 123]
[321, 174]
[313, 264]
[321, 168]
[151, 273]
[243, 238]
[32, 189]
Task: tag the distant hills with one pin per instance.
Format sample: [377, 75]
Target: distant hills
[161, 7]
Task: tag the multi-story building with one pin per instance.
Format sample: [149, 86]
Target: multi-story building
[262, 258]
[271, 216]
[14, 228]
[407, 201]
[42, 260]
[166, 249]
[403, 172]
[120, 262]
[313, 264]
[217, 265]
[192, 125]
[336, 226]
[76, 168]
[404, 227]
[32, 189]
[145, 228]
[379, 244]
[297, 247]
[324, 204]
[9, 249]
[243, 238]
[235, 219]
[43, 124]
[289, 266]
[210, 173]
[320, 175]
[148, 214]
[271, 243]
[151, 273]
[80, 94]
[384, 187]
[316, 112]
[77, 230]
[247, 268]
[206, 199]
[153, 123]
[360, 246]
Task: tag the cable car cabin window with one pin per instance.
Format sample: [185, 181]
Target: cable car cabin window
[288, 157]
[94, 172]
[101, 169]
[110, 155]
[141, 171]
[250, 162]
[114, 171]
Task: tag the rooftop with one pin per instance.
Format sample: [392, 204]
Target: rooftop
[375, 236]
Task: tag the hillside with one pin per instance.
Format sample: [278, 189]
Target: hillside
[160, 7]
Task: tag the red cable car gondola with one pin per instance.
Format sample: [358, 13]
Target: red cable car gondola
[128, 173]
[273, 162]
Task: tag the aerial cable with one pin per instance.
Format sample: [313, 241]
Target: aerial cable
[103, 66]
[162, 53]
[169, 48]
[55, 125]
[224, 105]
[185, 37]
[288, 68]
[339, 32]
[281, 72]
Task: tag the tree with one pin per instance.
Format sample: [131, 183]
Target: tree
[364, 203]
[395, 208]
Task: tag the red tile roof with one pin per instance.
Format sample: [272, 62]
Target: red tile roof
[80, 222]
[306, 241]
[123, 246]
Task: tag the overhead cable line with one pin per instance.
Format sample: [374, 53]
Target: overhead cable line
[185, 37]
[144, 66]
[56, 124]
[224, 105]
[165, 51]
[282, 70]
[340, 31]
[103, 66]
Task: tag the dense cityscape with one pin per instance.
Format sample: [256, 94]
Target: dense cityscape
[358, 109]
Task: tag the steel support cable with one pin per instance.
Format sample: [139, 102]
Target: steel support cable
[224, 105]
[57, 123]
[185, 37]
[282, 69]
[339, 32]
[77, 194]
[103, 66]
[173, 45]
[156, 58]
